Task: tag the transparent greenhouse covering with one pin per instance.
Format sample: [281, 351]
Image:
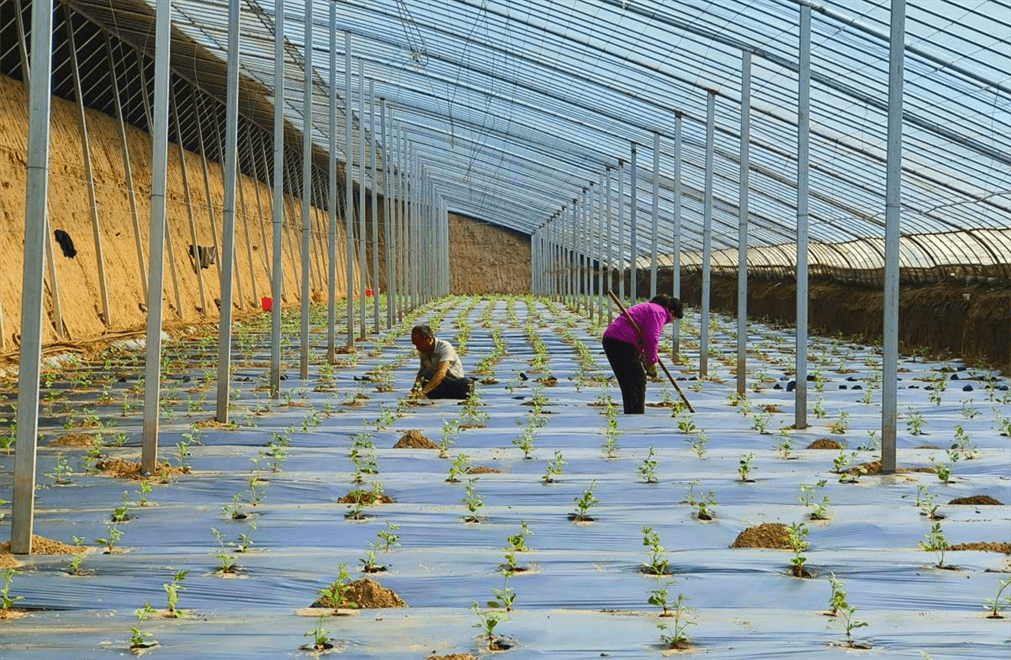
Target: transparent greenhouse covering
[515, 107]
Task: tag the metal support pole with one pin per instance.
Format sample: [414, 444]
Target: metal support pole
[600, 247]
[159, 165]
[398, 217]
[374, 164]
[676, 261]
[228, 213]
[277, 225]
[893, 213]
[742, 234]
[349, 187]
[88, 174]
[223, 159]
[174, 111]
[654, 256]
[609, 219]
[306, 191]
[588, 246]
[633, 232]
[363, 264]
[128, 170]
[391, 287]
[707, 235]
[212, 216]
[36, 233]
[331, 309]
[255, 181]
[803, 138]
[621, 231]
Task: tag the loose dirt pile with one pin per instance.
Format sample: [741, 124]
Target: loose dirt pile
[455, 656]
[874, 467]
[415, 439]
[1004, 548]
[767, 535]
[40, 546]
[74, 440]
[481, 469]
[123, 469]
[977, 499]
[364, 497]
[825, 443]
[368, 595]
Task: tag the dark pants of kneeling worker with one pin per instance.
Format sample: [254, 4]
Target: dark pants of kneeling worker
[449, 388]
[627, 367]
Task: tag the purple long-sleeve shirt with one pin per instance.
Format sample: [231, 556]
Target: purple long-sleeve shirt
[651, 318]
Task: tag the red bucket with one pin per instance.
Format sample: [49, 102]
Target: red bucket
[267, 304]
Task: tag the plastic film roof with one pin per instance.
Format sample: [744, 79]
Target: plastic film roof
[515, 107]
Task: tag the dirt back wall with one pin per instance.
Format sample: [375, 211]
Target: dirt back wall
[486, 258]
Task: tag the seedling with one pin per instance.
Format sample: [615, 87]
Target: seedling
[785, 444]
[819, 407]
[944, 469]
[686, 425]
[172, 590]
[797, 540]
[458, 468]
[838, 597]
[699, 444]
[1000, 602]
[487, 622]
[845, 611]
[145, 490]
[841, 463]
[61, 473]
[744, 469]
[660, 595]
[914, 423]
[526, 441]
[676, 638]
[504, 597]
[113, 537]
[6, 600]
[386, 538]
[554, 468]
[658, 563]
[234, 510]
[228, 564]
[647, 467]
[935, 541]
[584, 503]
[138, 638]
[760, 422]
[518, 541]
[450, 427]
[473, 502]
[926, 503]
[320, 639]
[963, 444]
[704, 503]
[119, 514]
[809, 497]
[841, 425]
[336, 595]
[246, 539]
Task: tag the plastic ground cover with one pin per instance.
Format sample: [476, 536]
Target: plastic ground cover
[583, 593]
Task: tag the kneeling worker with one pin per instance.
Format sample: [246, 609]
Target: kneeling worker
[441, 374]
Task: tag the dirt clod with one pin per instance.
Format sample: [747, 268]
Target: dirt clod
[368, 595]
[364, 497]
[874, 467]
[74, 440]
[481, 469]
[977, 499]
[455, 656]
[415, 439]
[767, 535]
[825, 443]
[1004, 548]
[40, 546]
[123, 469]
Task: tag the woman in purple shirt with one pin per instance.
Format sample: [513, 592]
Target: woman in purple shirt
[630, 351]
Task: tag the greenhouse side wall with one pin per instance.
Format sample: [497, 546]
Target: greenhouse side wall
[968, 321]
[70, 212]
[486, 258]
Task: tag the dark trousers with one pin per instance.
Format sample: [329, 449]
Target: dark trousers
[451, 389]
[627, 367]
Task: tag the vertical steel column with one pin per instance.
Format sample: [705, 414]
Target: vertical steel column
[207, 182]
[579, 240]
[255, 182]
[893, 213]
[114, 80]
[398, 217]
[588, 246]
[415, 225]
[621, 231]
[331, 309]
[803, 137]
[600, 247]
[349, 187]
[277, 220]
[608, 218]
[36, 233]
[676, 261]
[222, 157]
[159, 165]
[654, 256]
[374, 163]
[633, 231]
[88, 174]
[306, 190]
[363, 264]
[742, 235]
[574, 256]
[391, 288]
[707, 235]
[228, 214]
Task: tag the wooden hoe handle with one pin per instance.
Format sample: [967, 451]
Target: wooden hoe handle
[658, 360]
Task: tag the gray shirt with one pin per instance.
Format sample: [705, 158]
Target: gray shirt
[443, 351]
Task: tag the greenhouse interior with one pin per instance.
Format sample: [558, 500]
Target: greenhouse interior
[451, 329]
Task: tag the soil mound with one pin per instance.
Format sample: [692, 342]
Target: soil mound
[415, 439]
[369, 594]
[455, 656]
[40, 546]
[1004, 548]
[767, 535]
[364, 497]
[977, 499]
[874, 467]
[74, 440]
[481, 469]
[825, 443]
[123, 469]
